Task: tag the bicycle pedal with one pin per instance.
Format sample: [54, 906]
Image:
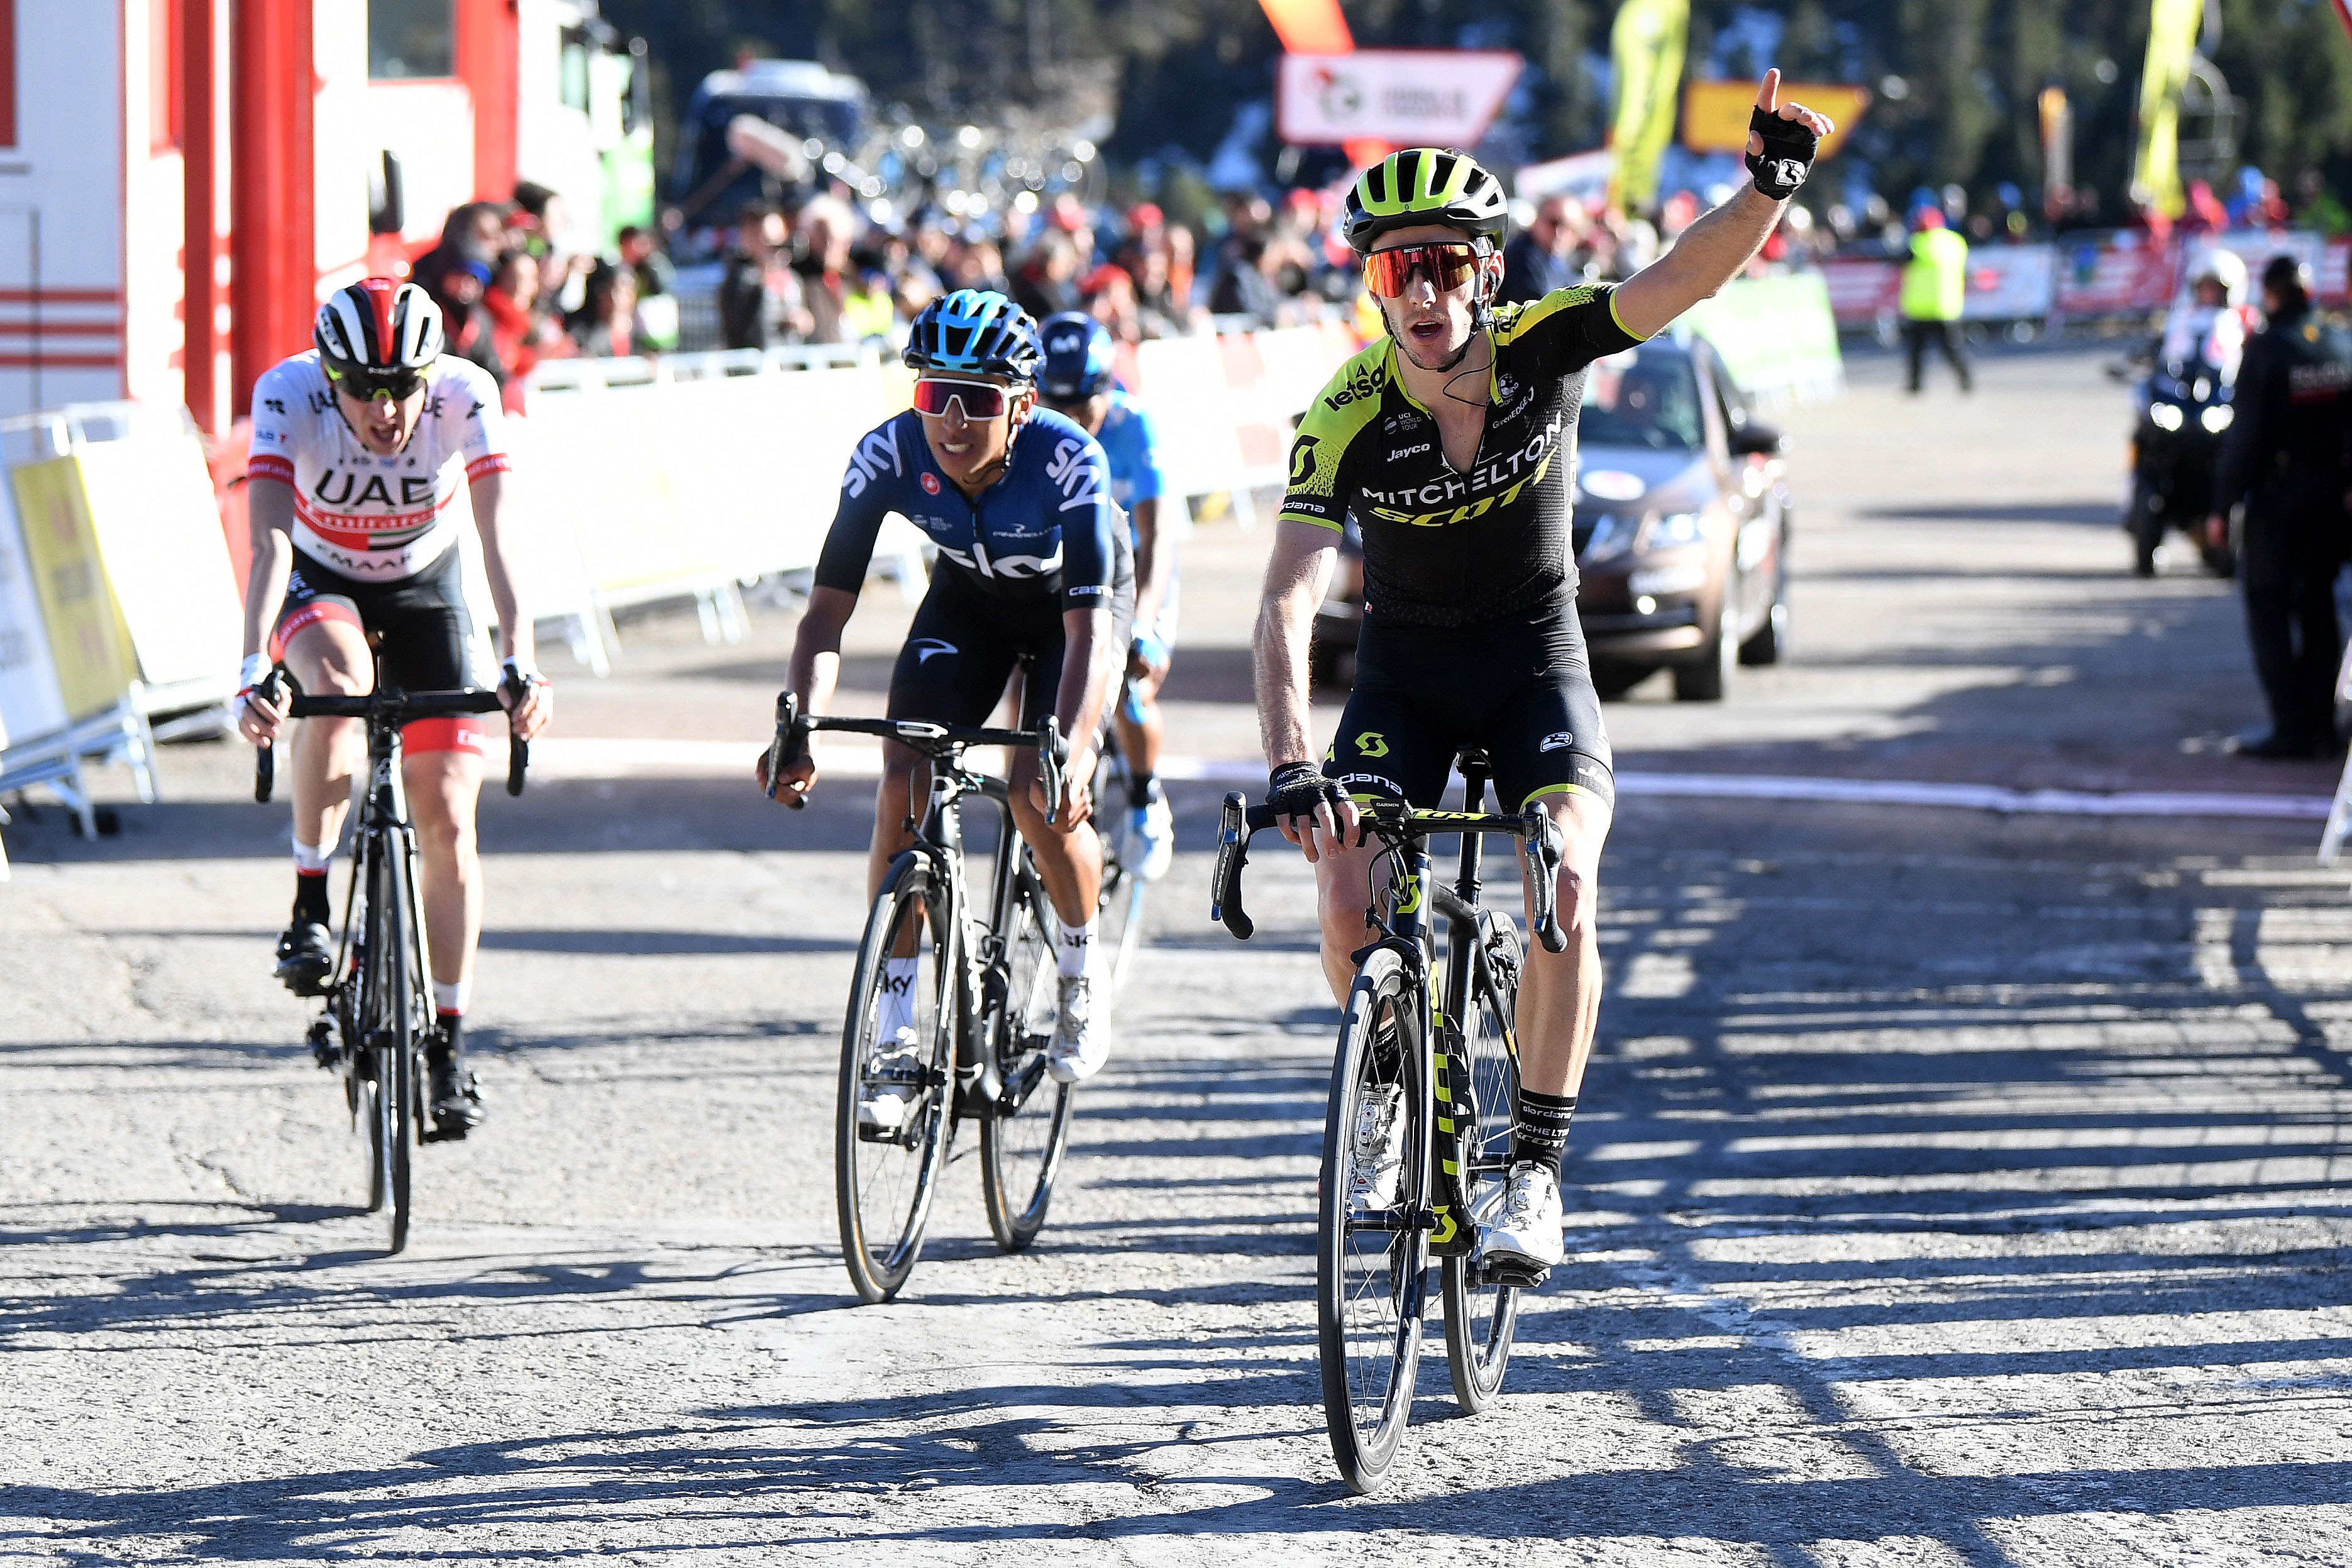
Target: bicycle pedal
[1512, 1275]
[434, 1132]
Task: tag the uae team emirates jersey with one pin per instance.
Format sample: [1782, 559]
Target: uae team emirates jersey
[371, 518]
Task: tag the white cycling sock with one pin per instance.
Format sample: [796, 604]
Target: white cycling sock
[898, 995]
[449, 999]
[310, 858]
[1074, 947]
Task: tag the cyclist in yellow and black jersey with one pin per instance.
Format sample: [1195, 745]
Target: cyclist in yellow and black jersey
[1453, 442]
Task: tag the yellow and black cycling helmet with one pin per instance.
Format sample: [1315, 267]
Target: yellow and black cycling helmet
[1424, 185]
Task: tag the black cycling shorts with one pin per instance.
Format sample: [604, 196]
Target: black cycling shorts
[1519, 686]
[964, 645]
[421, 628]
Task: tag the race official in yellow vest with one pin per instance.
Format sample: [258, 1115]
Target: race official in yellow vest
[1935, 288]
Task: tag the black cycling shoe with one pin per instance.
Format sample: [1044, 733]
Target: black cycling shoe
[453, 1097]
[2272, 746]
[306, 955]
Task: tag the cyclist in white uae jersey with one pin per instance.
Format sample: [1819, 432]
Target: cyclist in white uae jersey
[358, 450]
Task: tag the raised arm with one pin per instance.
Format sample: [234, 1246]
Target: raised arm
[1712, 251]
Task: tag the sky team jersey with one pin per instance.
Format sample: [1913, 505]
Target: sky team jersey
[376, 519]
[1442, 547]
[1043, 532]
[1133, 447]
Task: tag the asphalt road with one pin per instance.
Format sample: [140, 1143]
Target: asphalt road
[1952, 1187]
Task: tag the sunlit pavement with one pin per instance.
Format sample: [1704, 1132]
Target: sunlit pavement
[1952, 1187]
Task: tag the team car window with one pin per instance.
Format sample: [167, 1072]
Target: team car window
[1646, 397]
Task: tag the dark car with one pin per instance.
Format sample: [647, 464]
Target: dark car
[1681, 532]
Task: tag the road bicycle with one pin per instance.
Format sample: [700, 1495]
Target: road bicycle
[378, 1008]
[1448, 1055]
[984, 998]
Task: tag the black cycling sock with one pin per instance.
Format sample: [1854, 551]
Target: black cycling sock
[311, 898]
[449, 1041]
[1143, 789]
[1539, 1131]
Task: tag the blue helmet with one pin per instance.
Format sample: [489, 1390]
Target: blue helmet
[1078, 352]
[978, 332]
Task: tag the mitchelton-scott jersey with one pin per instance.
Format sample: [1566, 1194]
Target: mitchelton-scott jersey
[372, 518]
[1046, 531]
[1442, 546]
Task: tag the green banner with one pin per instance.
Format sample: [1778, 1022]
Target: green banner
[1645, 49]
[1775, 335]
[2173, 26]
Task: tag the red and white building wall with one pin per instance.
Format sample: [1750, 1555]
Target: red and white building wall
[120, 120]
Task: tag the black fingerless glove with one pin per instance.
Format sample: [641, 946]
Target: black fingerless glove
[1790, 148]
[1296, 789]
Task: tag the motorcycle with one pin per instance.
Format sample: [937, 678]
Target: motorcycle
[2184, 412]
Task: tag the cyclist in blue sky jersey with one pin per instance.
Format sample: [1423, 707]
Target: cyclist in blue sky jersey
[1034, 566]
[1077, 380]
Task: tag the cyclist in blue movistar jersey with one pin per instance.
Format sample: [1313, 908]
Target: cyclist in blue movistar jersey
[1033, 567]
[1075, 380]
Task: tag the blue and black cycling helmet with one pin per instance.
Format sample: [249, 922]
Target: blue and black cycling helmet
[1079, 357]
[976, 331]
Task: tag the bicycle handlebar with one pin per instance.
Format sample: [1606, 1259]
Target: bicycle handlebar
[1395, 823]
[937, 741]
[387, 709]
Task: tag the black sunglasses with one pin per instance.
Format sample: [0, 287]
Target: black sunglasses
[398, 386]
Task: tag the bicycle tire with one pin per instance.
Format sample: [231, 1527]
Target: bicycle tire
[1482, 1318]
[883, 1203]
[1120, 906]
[393, 1034]
[1021, 1147]
[1370, 1353]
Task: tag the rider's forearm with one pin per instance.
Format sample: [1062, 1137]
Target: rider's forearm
[1706, 256]
[269, 512]
[1150, 580]
[816, 648]
[1090, 666]
[1286, 621]
[515, 639]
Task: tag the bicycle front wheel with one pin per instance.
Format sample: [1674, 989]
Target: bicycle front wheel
[1372, 1248]
[390, 1038]
[897, 1057]
[1482, 1315]
[1120, 906]
[1020, 1146]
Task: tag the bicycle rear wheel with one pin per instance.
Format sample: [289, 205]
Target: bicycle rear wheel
[1482, 1315]
[885, 1175]
[1120, 906]
[1020, 1146]
[1371, 1264]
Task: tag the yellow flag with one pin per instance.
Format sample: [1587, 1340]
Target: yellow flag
[1645, 46]
[2172, 29]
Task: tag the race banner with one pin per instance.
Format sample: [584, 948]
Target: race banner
[1646, 49]
[1407, 98]
[1715, 113]
[2172, 30]
[87, 645]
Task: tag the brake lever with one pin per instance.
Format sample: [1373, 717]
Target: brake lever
[518, 749]
[790, 745]
[271, 690]
[1052, 753]
[1233, 854]
[1540, 844]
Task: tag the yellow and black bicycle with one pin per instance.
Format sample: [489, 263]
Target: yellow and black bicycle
[1432, 1075]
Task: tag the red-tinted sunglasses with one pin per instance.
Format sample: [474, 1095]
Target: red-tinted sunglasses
[1388, 272]
[981, 399]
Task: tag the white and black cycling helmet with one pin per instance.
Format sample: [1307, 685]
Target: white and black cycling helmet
[379, 335]
[1424, 185]
[2226, 269]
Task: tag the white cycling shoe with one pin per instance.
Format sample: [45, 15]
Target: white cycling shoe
[1524, 1234]
[1151, 842]
[1376, 1168]
[894, 1083]
[1081, 1043]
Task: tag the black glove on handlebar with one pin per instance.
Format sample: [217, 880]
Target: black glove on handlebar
[1296, 789]
[1790, 148]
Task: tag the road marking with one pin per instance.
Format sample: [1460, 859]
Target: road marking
[576, 757]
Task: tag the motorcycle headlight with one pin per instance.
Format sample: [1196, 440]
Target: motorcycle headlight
[1677, 528]
[2216, 418]
[2165, 415]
